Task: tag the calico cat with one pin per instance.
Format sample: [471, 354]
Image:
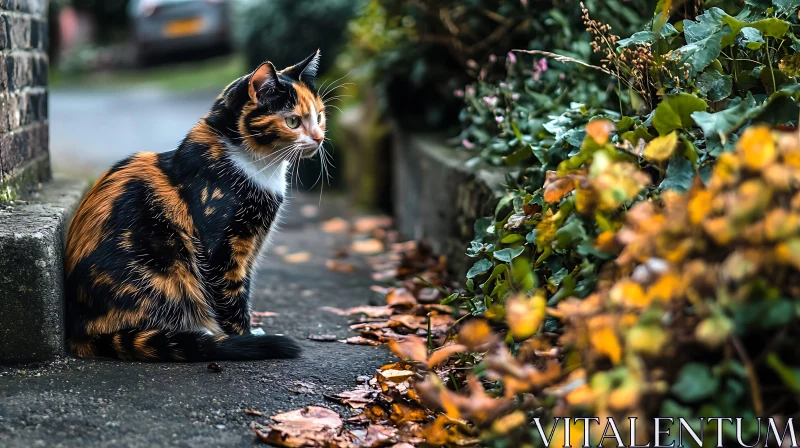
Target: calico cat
[160, 254]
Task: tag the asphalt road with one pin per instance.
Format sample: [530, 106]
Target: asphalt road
[80, 403]
[92, 129]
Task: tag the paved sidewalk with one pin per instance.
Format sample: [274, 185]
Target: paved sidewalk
[78, 403]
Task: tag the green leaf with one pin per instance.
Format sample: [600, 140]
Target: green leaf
[518, 156]
[770, 27]
[508, 254]
[790, 376]
[695, 383]
[785, 7]
[751, 38]
[675, 112]
[450, 299]
[714, 85]
[680, 174]
[480, 267]
[640, 38]
[512, 238]
[724, 122]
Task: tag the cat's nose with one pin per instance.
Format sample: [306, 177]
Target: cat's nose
[318, 137]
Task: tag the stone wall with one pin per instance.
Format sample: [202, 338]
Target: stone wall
[437, 197]
[24, 156]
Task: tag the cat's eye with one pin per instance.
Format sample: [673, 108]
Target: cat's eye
[319, 117]
[293, 122]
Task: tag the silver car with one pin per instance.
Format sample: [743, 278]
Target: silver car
[165, 27]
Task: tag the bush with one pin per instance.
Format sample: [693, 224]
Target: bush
[436, 47]
[643, 260]
[285, 31]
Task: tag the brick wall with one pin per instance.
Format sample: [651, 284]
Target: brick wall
[23, 91]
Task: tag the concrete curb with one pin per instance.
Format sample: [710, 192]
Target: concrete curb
[32, 236]
[437, 198]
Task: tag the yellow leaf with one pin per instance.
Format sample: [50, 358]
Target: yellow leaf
[625, 397]
[666, 288]
[556, 189]
[629, 293]
[546, 230]
[756, 147]
[661, 148]
[525, 314]
[647, 339]
[600, 130]
[506, 424]
[605, 341]
[699, 206]
[581, 396]
[789, 252]
[725, 171]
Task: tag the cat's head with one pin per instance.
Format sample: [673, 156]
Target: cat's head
[284, 112]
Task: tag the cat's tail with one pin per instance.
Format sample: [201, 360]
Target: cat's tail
[162, 345]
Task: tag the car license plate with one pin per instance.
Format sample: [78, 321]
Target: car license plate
[186, 27]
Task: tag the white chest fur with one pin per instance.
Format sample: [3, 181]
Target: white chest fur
[266, 172]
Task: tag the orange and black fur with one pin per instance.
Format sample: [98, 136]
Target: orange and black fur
[161, 252]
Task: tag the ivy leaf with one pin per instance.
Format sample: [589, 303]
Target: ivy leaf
[680, 174]
[751, 38]
[700, 54]
[724, 122]
[785, 7]
[508, 254]
[480, 267]
[714, 85]
[695, 382]
[640, 38]
[675, 112]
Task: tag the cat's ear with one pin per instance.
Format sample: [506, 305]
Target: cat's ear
[263, 80]
[305, 71]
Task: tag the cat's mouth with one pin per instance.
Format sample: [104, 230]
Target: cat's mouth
[309, 152]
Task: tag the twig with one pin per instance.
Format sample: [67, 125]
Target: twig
[566, 59]
[755, 388]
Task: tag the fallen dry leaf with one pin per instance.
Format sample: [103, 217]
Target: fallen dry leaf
[357, 398]
[310, 427]
[323, 337]
[360, 340]
[298, 257]
[379, 435]
[309, 211]
[372, 311]
[339, 266]
[335, 225]
[368, 224]
[367, 247]
[400, 297]
[253, 412]
[301, 387]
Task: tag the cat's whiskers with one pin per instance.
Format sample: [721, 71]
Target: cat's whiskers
[344, 86]
[328, 90]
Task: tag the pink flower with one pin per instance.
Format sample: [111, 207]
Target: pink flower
[492, 58]
[512, 58]
[472, 64]
[490, 100]
[458, 93]
[498, 119]
[467, 144]
[515, 96]
[470, 90]
[543, 64]
[523, 2]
